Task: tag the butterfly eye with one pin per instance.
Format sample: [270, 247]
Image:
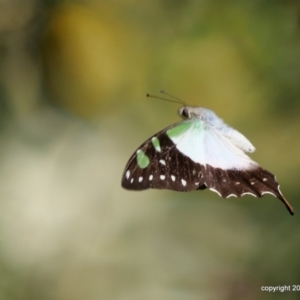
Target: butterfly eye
[184, 113]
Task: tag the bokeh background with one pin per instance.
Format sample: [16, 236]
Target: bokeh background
[73, 80]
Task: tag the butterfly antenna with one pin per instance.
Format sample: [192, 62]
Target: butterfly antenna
[174, 99]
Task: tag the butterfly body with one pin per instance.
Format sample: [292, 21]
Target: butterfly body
[200, 152]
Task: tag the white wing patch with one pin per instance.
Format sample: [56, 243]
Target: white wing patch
[206, 145]
[236, 138]
[191, 142]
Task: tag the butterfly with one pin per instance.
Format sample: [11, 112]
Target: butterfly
[200, 152]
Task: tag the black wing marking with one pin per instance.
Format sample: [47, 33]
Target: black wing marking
[256, 182]
[168, 168]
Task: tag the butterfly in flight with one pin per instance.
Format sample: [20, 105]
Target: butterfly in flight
[200, 152]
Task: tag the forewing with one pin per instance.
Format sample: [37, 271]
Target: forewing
[157, 163]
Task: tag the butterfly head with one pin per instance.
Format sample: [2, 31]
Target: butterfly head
[189, 112]
[184, 112]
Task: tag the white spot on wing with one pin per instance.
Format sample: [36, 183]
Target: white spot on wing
[150, 177]
[183, 182]
[231, 195]
[268, 193]
[214, 190]
[162, 161]
[132, 179]
[140, 178]
[265, 179]
[162, 177]
[248, 193]
[237, 183]
[173, 177]
[127, 174]
[278, 188]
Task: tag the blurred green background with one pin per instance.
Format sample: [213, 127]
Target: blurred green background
[73, 80]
